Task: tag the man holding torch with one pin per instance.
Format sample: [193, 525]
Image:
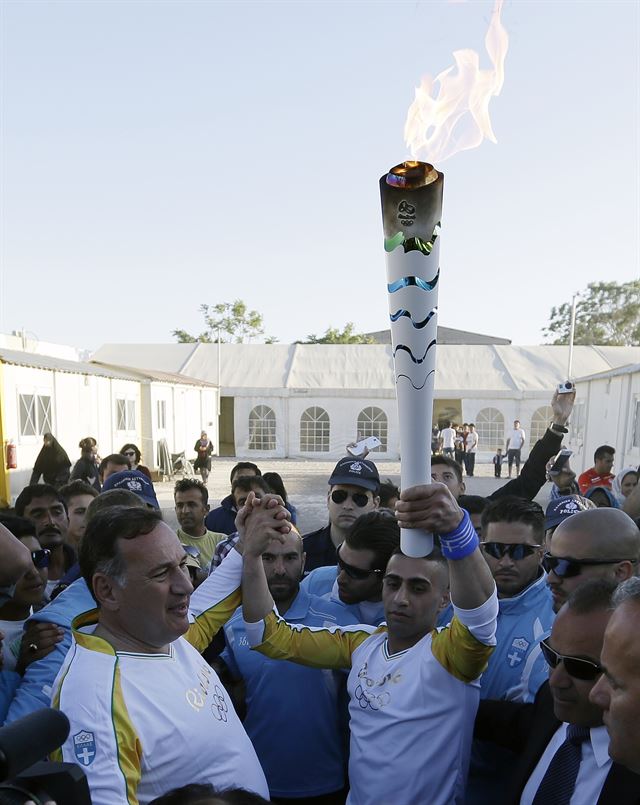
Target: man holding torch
[413, 691]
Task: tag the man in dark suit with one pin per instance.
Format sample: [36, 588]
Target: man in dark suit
[617, 691]
[561, 740]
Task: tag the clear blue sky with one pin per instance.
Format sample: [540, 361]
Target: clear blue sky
[157, 155]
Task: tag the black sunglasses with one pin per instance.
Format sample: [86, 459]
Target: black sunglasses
[41, 557]
[565, 567]
[515, 551]
[129, 453]
[574, 666]
[359, 498]
[355, 572]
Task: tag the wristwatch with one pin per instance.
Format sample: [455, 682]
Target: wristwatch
[559, 429]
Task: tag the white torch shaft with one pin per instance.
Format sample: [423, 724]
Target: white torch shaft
[413, 297]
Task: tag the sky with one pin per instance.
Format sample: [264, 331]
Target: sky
[160, 155]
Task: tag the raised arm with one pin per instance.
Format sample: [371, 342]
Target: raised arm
[218, 597]
[533, 474]
[433, 508]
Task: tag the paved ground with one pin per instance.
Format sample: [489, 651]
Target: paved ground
[306, 484]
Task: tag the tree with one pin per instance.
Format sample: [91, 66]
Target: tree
[334, 336]
[231, 319]
[607, 313]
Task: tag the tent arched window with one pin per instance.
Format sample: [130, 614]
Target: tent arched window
[314, 430]
[373, 422]
[262, 428]
[490, 428]
[539, 423]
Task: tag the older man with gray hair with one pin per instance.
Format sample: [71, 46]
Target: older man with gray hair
[617, 691]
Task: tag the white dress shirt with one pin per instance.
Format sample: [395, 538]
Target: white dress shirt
[594, 767]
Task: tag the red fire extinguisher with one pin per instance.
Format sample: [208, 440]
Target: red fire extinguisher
[11, 455]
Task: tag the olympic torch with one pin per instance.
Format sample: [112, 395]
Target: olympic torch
[411, 196]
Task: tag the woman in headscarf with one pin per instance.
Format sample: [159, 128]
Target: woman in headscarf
[86, 467]
[602, 497]
[52, 463]
[624, 483]
[204, 449]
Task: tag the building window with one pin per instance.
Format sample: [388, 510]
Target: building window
[262, 428]
[35, 414]
[539, 423]
[373, 422]
[490, 428]
[576, 428]
[636, 424]
[161, 414]
[125, 414]
[314, 431]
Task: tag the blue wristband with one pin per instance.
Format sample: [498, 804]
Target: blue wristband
[462, 541]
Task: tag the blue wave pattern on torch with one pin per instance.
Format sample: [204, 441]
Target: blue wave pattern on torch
[417, 324]
[411, 355]
[406, 282]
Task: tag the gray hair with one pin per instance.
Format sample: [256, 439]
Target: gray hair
[628, 590]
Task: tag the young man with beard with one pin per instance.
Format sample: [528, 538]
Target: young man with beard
[292, 711]
[413, 690]
[45, 506]
[512, 544]
[356, 581]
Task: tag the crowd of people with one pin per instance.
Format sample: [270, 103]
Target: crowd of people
[238, 660]
[460, 442]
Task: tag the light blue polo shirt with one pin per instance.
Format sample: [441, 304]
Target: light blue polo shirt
[293, 717]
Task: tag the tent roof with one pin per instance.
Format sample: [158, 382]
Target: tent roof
[488, 369]
[99, 369]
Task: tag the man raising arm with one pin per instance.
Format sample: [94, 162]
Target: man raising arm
[392, 666]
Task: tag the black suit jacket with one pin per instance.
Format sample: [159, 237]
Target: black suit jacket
[527, 729]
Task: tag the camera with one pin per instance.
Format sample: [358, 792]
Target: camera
[23, 744]
[566, 388]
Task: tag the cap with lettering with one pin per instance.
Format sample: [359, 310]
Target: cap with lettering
[356, 472]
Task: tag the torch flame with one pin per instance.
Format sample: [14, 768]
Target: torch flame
[431, 130]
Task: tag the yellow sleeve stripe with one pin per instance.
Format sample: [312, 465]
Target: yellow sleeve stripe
[208, 623]
[457, 650]
[315, 647]
[128, 744]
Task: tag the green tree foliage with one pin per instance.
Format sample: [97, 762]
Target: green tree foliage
[232, 320]
[607, 313]
[334, 336]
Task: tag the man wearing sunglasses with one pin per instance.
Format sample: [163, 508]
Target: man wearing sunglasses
[413, 690]
[512, 537]
[560, 739]
[356, 582]
[599, 543]
[617, 691]
[353, 491]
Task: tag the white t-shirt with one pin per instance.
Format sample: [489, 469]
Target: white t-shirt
[471, 442]
[142, 724]
[516, 439]
[448, 437]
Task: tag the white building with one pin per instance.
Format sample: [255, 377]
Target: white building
[302, 400]
[73, 399]
[608, 412]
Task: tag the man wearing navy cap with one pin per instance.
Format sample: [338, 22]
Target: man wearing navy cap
[561, 508]
[136, 482]
[353, 490]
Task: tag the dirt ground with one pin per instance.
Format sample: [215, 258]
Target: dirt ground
[306, 484]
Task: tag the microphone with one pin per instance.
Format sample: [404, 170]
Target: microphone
[30, 739]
